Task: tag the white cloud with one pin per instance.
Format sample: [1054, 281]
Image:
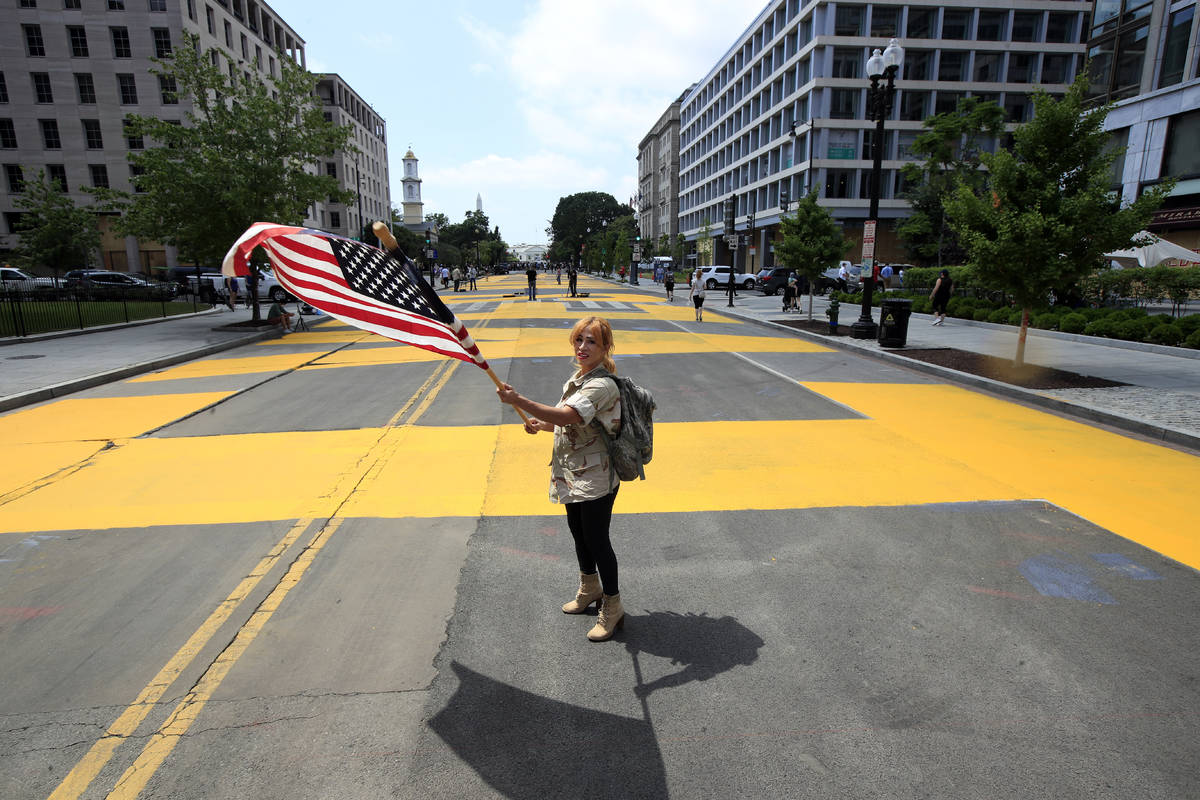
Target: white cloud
[481, 69]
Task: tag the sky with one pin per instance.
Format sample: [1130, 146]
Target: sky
[522, 103]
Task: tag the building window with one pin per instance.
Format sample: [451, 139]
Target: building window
[228, 34]
[328, 116]
[167, 90]
[843, 103]
[127, 89]
[210, 21]
[158, 5]
[85, 88]
[991, 26]
[34, 46]
[1118, 49]
[956, 23]
[885, 21]
[1016, 107]
[16, 178]
[120, 43]
[71, 3]
[57, 174]
[99, 174]
[191, 6]
[1060, 27]
[133, 142]
[1021, 67]
[848, 21]
[3, 89]
[1057, 68]
[331, 169]
[918, 65]
[947, 102]
[1175, 48]
[922, 23]
[847, 62]
[1181, 156]
[8, 135]
[116, 5]
[839, 183]
[987, 67]
[91, 134]
[950, 65]
[914, 106]
[50, 138]
[162, 42]
[13, 220]
[78, 38]
[27, 4]
[1026, 26]
[136, 172]
[335, 219]
[42, 92]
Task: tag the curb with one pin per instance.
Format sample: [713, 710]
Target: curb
[1160, 433]
[68, 387]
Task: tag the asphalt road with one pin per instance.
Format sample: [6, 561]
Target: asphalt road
[325, 566]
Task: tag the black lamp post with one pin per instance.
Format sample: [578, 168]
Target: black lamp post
[879, 106]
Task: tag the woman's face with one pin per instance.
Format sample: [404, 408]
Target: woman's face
[589, 351]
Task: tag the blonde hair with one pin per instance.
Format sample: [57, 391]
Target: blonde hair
[603, 333]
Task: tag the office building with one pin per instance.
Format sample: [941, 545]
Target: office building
[805, 64]
[657, 202]
[364, 172]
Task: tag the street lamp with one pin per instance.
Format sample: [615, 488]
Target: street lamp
[879, 106]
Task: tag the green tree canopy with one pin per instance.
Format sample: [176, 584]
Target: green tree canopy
[239, 157]
[574, 215]
[951, 144]
[54, 232]
[812, 241]
[1047, 212]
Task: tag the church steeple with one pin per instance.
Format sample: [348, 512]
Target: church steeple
[411, 191]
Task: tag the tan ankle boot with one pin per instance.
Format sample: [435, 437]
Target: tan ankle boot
[589, 592]
[612, 616]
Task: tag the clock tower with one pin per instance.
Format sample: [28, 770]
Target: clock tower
[411, 191]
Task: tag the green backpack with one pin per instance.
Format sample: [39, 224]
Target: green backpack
[633, 446]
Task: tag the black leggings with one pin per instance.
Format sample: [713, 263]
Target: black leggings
[588, 521]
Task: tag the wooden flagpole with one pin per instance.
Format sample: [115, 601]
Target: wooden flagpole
[393, 248]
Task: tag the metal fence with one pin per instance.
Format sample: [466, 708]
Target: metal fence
[24, 313]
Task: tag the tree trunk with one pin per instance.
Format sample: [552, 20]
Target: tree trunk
[1020, 359]
[810, 300]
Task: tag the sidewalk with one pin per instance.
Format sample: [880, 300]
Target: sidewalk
[1161, 402]
[40, 368]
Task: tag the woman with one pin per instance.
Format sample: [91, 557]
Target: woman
[669, 282]
[941, 296]
[789, 292]
[698, 295]
[580, 475]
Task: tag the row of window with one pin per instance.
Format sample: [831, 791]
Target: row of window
[93, 137]
[57, 175]
[77, 41]
[113, 5]
[85, 89]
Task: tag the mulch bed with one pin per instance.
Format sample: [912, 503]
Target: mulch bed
[1027, 376]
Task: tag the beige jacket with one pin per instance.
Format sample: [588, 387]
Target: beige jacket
[579, 468]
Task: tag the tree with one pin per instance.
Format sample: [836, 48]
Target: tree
[439, 219]
[1047, 214]
[812, 242]
[951, 144]
[704, 245]
[574, 216]
[244, 153]
[54, 232]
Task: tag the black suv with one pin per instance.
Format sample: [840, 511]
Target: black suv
[770, 281]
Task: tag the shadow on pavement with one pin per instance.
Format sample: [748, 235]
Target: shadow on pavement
[704, 645]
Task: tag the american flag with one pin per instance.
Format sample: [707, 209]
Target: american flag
[358, 284]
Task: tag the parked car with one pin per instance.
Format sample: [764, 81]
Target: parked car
[771, 281]
[106, 284]
[831, 278]
[714, 277]
[12, 279]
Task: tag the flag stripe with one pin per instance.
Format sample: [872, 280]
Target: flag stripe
[358, 284]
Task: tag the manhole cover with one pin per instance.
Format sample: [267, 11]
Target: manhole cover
[20, 358]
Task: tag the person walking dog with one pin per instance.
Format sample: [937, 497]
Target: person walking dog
[581, 475]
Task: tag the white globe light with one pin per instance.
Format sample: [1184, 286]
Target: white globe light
[875, 64]
[893, 56]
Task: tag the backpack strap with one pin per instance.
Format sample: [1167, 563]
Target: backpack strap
[614, 478]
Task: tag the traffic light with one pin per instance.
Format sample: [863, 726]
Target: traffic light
[729, 217]
[784, 198]
[427, 238]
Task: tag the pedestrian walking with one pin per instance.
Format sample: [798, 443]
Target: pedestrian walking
[697, 288]
[558, 275]
[531, 276]
[885, 278]
[941, 296]
[472, 274]
[669, 283]
[231, 289]
[801, 289]
[581, 476]
[445, 277]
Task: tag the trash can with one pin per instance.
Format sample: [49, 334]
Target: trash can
[893, 322]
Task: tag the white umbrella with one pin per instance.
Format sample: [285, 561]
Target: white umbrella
[1152, 254]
